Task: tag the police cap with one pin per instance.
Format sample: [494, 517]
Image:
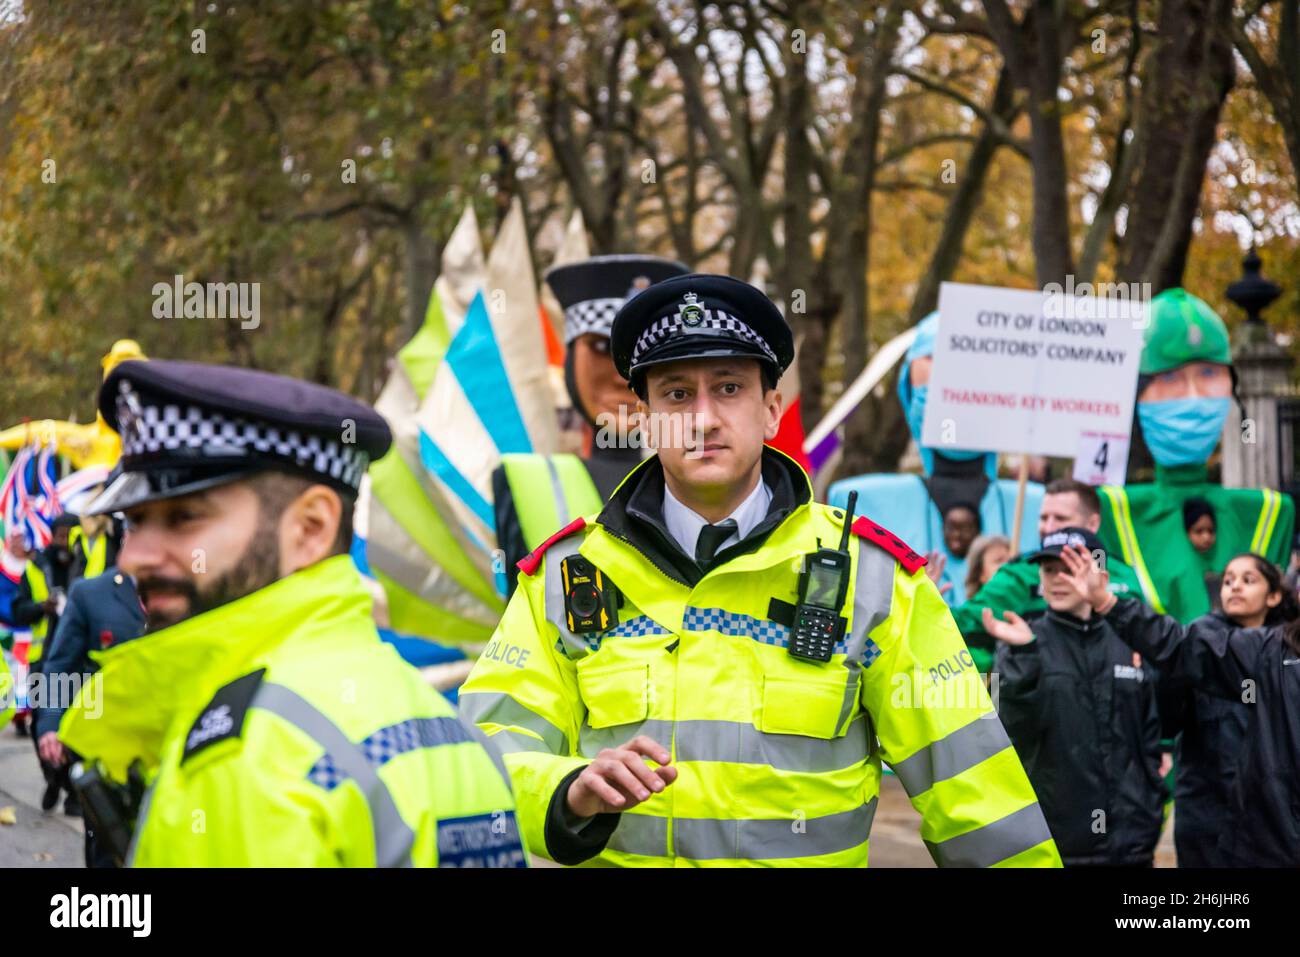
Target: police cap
[592, 291]
[189, 426]
[699, 316]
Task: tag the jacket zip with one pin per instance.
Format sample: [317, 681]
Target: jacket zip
[654, 564]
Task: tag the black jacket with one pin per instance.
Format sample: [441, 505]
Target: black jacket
[1262, 827]
[1212, 734]
[1082, 717]
[101, 612]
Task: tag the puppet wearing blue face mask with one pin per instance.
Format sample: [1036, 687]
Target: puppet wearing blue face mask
[1185, 387]
[914, 506]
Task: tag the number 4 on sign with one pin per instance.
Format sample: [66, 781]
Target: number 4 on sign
[1102, 458]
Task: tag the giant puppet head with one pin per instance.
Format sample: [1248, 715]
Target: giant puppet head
[913, 387]
[1185, 379]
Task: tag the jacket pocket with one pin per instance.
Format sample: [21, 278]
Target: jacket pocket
[615, 695]
[808, 705]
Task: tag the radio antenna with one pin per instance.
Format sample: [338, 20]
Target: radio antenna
[848, 520]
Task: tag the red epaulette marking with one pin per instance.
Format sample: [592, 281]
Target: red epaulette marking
[530, 562]
[864, 527]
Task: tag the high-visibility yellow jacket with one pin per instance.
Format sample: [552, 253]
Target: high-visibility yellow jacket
[778, 758]
[546, 492]
[40, 589]
[8, 694]
[279, 730]
[93, 551]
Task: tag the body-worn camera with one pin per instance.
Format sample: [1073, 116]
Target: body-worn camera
[590, 598]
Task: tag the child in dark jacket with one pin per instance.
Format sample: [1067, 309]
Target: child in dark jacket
[1080, 708]
[1258, 664]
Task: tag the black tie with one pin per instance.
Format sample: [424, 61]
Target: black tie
[711, 536]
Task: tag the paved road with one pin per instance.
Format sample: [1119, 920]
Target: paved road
[38, 839]
[896, 841]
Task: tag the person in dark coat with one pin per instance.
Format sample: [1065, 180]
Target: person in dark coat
[38, 604]
[1258, 664]
[101, 612]
[1080, 709]
[1212, 729]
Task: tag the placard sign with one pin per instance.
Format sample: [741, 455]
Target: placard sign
[1032, 372]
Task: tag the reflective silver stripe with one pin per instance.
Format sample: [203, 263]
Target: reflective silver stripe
[873, 596]
[591, 741]
[557, 489]
[851, 685]
[393, 838]
[640, 834]
[497, 707]
[952, 754]
[493, 748]
[707, 839]
[140, 818]
[737, 742]
[513, 742]
[575, 647]
[987, 845]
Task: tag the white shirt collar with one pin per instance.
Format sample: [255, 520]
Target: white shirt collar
[684, 524]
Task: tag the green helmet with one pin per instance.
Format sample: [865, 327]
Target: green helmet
[1182, 329]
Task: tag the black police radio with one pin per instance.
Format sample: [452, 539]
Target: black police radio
[823, 586]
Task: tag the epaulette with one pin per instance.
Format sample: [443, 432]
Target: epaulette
[223, 718]
[906, 556]
[530, 562]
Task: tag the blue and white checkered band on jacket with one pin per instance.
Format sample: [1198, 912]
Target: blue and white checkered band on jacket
[698, 318]
[151, 429]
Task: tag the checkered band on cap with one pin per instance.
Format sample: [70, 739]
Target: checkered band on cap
[151, 429]
[714, 320]
[592, 315]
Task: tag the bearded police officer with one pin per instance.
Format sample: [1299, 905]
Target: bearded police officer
[535, 494]
[272, 724]
[711, 670]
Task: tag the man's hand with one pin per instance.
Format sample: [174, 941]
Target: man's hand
[1088, 578]
[619, 778]
[935, 562]
[51, 748]
[1014, 631]
[50, 606]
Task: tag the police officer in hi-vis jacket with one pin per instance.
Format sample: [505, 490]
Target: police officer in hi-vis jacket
[712, 669]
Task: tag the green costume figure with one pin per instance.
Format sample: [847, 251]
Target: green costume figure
[1184, 390]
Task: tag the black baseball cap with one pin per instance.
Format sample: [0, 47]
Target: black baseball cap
[1054, 543]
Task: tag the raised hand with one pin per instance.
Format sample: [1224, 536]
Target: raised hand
[935, 562]
[1014, 630]
[1088, 577]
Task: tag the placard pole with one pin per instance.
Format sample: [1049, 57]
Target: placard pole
[1020, 503]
